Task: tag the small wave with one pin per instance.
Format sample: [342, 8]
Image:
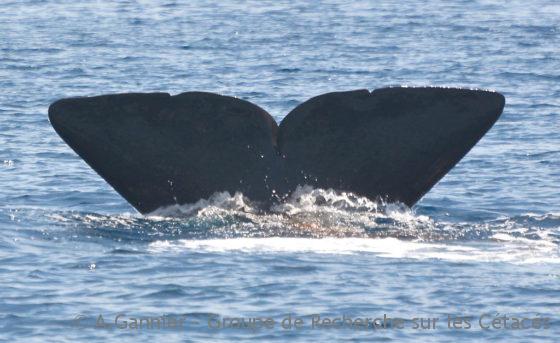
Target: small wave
[218, 202]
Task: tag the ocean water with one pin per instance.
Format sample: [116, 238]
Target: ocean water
[482, 244]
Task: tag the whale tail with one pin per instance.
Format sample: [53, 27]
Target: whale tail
[157, 150]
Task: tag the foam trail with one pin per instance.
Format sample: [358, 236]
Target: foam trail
[517, 252]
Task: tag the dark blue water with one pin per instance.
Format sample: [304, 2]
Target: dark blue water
[485, 241]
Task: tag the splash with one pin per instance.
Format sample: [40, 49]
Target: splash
[307, 212]
[218, 203]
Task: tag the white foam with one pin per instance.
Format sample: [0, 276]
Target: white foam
[513, 251]
[219, 201]
[318, 210]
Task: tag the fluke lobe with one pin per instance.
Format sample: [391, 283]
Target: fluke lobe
[158, 150]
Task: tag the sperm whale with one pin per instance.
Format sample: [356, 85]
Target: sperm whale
[158, 150]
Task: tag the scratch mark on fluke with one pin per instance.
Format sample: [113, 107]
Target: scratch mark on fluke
[157, 150]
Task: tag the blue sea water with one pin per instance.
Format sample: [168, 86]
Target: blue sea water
[484, 242]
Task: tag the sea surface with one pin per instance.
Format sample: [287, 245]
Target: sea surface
[482, 244]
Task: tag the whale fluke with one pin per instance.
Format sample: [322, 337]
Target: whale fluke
[158, 150]
[393, 142]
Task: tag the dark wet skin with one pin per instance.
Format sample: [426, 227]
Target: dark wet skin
[158, 150]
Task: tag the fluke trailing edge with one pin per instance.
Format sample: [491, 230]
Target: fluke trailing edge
[158, 150]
